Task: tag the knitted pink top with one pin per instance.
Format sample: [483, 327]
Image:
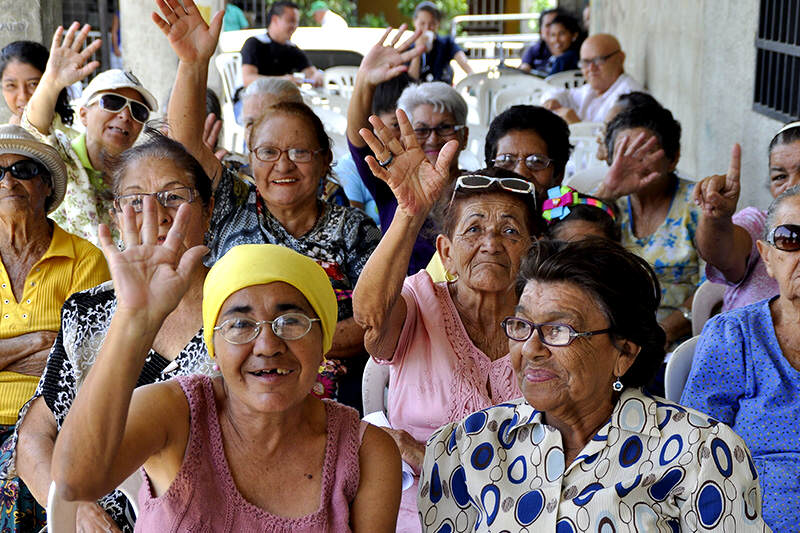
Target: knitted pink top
[203, 496]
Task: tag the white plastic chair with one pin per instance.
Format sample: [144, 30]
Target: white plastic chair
[374, 385]
[340, 80]
[511, 96]
[229, 67]
[479, 90]
[678, 368]
[62, 514]
[707, 297]
[569, 79]
[584, 155]
[585, 129]
[587, 180]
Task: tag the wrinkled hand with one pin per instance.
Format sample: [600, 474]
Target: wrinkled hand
[189, 36]
[718, 195]
[150, 279]
[384, 62]
[68, 59]
[551, 104]
[415, 182]
[91, 518]
[568, 114]
[211, 129]
[633, 165]
[411, 451]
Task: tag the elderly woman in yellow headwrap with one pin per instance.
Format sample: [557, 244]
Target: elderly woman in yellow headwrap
[251, 450]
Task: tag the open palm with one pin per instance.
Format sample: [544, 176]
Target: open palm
[189, 35]
[69, 61]
[384, 62]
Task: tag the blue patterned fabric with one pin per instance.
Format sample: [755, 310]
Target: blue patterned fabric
[741, 377]
[655, 466]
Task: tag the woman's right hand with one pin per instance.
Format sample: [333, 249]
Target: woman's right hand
[384, 62]
[91, 518]
[415, 182]
[632, 168]
[718, 195]
[189, 36]
[68, 59]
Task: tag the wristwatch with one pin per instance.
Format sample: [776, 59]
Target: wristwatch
[686, 312]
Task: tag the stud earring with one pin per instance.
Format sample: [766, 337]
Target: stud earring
[617, 385]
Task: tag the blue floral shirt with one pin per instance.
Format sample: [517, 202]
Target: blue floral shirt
[655, 466]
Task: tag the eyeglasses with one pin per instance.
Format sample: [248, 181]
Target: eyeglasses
[785, 237]
[532, 161]
[269, 154]
[596, 61]
[551, 334]
[114, 103]
[23, 170]
[171, 199]
[442, 130]
[289, 327]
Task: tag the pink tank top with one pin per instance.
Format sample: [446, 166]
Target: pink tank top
[203, 496]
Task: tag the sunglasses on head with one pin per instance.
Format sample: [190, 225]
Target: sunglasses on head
[115, 103]
[23, 170]
[785, 237]
[476, 181]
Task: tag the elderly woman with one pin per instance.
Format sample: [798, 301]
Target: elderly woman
[746, 368]
[446, 352]
[659, 217]
[572, 216]
[160, 168]
[585, 449]
[251, 450]
[42, 265]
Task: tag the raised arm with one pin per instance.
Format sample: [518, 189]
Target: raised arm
[632, 166]
[382, 63]
[719, 241]
[66, 65]
[416, 184]
[107, 433]
[194, 43]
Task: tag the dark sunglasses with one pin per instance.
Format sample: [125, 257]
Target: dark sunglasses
[533, 161]
[115, 103]
[23, 170]
[785, 237]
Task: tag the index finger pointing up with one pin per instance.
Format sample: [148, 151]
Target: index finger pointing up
[736, 164]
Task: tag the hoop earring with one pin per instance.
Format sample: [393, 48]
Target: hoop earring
[450, 278]
[617, 385]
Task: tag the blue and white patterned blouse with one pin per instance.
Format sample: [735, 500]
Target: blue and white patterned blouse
[655, 466]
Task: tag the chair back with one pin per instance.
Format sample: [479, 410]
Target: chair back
[706, 299]
[569, 79]
[678, 368]
[587, 180]
[517, 95]
[479, 90]
[340, 80]
[374, 387]
[584, 155]
[585, 129]
[229, 67]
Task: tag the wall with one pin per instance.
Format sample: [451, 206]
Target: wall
[697, 57]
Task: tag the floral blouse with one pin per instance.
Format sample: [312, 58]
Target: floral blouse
[655, 466]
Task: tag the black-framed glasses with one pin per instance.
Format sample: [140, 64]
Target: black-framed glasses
[785, 237]
[598, 61]
[269, 154]
[551, 333]
[532, 161]
[24, 170]
[442, 130]
[170, 199]
[115, 103]
[289, 327]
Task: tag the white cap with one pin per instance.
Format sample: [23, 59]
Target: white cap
[113, 79]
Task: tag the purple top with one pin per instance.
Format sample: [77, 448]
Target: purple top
[756, 284]
[203, 496]
[387, 204]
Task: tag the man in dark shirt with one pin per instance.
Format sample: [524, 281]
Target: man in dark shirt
[537, 54]
[273, 54]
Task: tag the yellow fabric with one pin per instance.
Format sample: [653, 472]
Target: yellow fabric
[436, 269]
[258, 264]
[69, 265]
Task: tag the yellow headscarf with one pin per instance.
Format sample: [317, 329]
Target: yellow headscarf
[258, 264]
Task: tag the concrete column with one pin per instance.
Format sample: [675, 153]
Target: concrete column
[31, 20]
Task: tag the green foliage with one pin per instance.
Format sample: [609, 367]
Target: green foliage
[373, 20]
[345, 8]
[449, 9]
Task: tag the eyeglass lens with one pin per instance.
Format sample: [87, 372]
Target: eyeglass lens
[116, 102]
[172, 198]
[22, 170]
[442, 130]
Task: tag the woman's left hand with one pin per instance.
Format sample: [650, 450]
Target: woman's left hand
[412, 451]
[150, 278]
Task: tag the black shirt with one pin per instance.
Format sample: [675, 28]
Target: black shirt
[271, 58]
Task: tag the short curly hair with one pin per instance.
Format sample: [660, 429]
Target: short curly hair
[622, 284]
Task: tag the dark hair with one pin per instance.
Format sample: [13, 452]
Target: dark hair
[212, 104]
[787, 136]
[589, 213]
[568, 21]
[159, 146]
[445, 213]
[655, 118]
[388, 92]
[543, 14]
[634, 99]
[276, 9]
[430, 7]
[623, 284]
[546, 124]
[35, 55]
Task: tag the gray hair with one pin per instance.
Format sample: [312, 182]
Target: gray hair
[436, 93]
[791, 192]
[273, 86]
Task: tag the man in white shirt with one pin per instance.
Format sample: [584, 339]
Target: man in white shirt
[327, 18]
[602, 62]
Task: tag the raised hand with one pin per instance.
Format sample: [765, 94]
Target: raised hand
[150, 279]
[633, 166]
[718, 195]
[386, 61]
[415, 182]
[68, 59]
[190, 37]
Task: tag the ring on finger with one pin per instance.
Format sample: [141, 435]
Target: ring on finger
[386, 162]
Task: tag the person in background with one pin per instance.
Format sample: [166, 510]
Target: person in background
[434, 63]
[273, 54]
[586, 17]
[234, 18]
[601, 60]
[263, 93]
[326, 18]
[22, 64]
[116, 42]
[538, 53]
[625, 101]
[572, 216]
[563, 43]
